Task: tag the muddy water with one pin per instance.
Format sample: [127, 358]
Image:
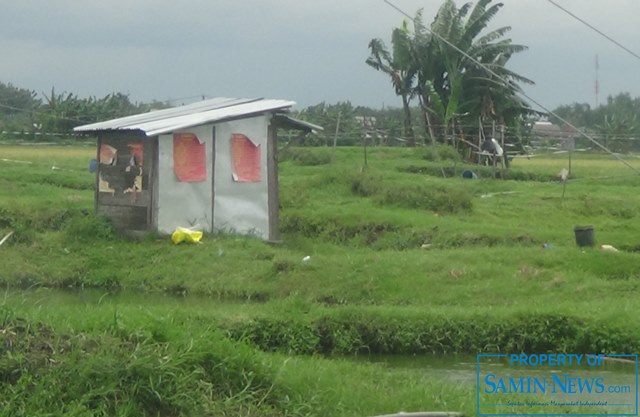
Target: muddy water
[562, 384]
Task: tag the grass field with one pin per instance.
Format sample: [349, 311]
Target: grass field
[406, 257]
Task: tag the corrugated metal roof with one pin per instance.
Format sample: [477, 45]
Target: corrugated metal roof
[207, 111]
[291, 122]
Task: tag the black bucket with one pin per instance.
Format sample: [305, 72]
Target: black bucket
[584, 235]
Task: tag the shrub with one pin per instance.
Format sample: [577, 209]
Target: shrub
[365, 184]
[352, 332]
[335, 230]
[133, 372]
[293, 196]
[480, 170]
[415, 196]
[26, 222]
[449, 200]
[309, 156]
[441, 153]
[90, 227]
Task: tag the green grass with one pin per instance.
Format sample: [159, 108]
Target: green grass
[124, 360]
[405, 257]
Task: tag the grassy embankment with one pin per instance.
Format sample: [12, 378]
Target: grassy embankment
[481, 283]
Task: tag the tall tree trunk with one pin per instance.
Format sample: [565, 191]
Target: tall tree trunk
[427, 119]
[408, 128]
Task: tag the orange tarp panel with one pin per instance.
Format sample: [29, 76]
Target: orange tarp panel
[108, 154]
[137, 152]
[246, 159]
[189, 158]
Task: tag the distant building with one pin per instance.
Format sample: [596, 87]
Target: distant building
[548, 134]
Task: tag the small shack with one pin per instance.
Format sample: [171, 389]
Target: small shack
[210, 165]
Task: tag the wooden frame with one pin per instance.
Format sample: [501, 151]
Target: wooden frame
[272, 183]
[129, 202]
[213, 178]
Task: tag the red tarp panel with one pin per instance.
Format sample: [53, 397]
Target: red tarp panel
[246, 159]
[189, 158]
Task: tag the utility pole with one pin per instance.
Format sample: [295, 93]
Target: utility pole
[335, 136]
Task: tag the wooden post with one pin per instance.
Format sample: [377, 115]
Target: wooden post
[494, 158]
[480, 138]
[213, 178]
[365, 150]
[505, 163]
[154, 188]
[453, 133]
[335, 136]
[273, 199]
[97, 180]
[564, 180]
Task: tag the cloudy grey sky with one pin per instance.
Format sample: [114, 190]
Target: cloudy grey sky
[305, 50]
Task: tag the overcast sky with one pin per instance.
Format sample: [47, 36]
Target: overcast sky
[305, 50]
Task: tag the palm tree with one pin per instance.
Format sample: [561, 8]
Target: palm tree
[429, 68]
[400, 67]
[449, 82]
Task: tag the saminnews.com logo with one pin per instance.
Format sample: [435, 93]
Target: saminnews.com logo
[556, 385]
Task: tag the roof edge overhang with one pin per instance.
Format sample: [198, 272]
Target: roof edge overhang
[284, 120]
[168, 120]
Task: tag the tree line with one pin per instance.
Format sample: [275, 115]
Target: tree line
[24, 112]
[616, 122]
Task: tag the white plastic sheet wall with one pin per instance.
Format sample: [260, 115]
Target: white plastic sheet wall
[227, 205]
[184, 204]
[241, 207]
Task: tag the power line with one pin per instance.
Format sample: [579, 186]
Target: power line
[522, 93]
[595, 29]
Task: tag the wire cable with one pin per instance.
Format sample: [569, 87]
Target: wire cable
[595, 29]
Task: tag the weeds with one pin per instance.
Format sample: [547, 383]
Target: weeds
[127, 373]
[425, 197]
[411, 196]
[87, 228]
[365, 184]
[353, 333]
[448, 171]
[441, 153]
[27, 224]
[309, 156]
[334, 229]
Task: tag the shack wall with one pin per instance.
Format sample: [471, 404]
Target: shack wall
[241, 203]
[124, 191]
[184, 194]
[214, 177]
